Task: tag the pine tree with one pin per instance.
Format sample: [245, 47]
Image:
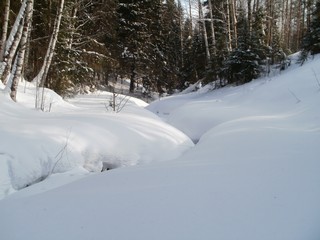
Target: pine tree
[132, 35]
[171, 46]
[85, 47]
[258, 34]
[242, 65]
[311, 41]
[189, 72]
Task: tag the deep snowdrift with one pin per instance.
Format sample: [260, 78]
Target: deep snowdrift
[254, 173]
[293, 91]
[34, 144]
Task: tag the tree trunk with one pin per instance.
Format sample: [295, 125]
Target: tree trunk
[289, 25]
[133, 76]
[11, 39]
[257, 5]
[249, 17]
[21, 54]
[271, 21]
[309, 13]
[72, 24]
[229, 38]
[204, 31]
[299, 24]
[9, 55]
[213, 35]
[234, 22]
[11, 44]
[4, 29]
[283, 24]
[191, 18]
[181, 33]
[40, 79]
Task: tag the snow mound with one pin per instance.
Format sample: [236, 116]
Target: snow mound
[254, 173]
[35, 144]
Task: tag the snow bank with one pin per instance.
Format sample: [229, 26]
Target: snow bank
[198, 112]
[35, 144]
[254, 173]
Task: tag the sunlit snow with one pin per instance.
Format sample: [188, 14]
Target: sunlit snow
[253, 174]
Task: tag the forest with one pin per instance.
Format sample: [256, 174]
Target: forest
[67, 45]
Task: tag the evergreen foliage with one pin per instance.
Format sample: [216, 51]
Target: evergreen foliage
[157, 43]
[311, 41]
[242, 64]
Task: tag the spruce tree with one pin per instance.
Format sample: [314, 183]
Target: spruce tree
[171, 45]
[311, 41]
[85, 50]
[132, 35]
[242, 64]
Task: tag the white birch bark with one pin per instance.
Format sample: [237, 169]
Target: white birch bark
[21, 54]
[72, 27]
[4, 29]
[235, 22]
[257, 5]
[9, 82]
[181, 33]
[42, 75]
[40, 79]
[213, 35]
[191, 18]
[8, 57]
[12, 37]
[249, 17]
[11, 44]
[204, 30]
[229, 37]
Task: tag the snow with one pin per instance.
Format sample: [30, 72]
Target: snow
[253, 174]
[33, 144]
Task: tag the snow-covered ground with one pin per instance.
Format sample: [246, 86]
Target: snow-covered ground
[253, 174]
[87, 134]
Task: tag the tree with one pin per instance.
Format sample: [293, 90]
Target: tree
[171, 46]
[4, 28]
[11, 44]
[40, 79]
[132, 35]
[204, 31]
[21, 54]
[311, 41]
[242, 65]
[85, 51]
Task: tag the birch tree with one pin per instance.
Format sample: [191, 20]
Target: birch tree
[249, 17]
[229, 38]
[204, 31]
[4, 29]
[234, 21]
[40, 79]
[42, 75]
[213, 36]
[181, 33]
[191, 18]
[11, 44]
[21, 53]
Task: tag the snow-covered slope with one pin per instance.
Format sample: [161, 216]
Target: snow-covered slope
[254, 174]
[35, 144]
[294, 90]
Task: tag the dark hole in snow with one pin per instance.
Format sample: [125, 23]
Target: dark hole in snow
[195, 141]
[108, 166]
[40, 179]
